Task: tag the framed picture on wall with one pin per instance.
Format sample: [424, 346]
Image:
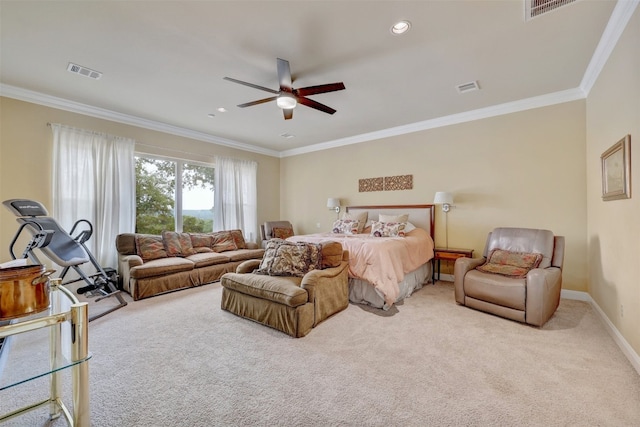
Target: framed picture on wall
[616, 170]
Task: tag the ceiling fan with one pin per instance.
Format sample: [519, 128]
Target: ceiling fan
[287, 97]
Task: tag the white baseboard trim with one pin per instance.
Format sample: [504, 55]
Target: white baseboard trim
[627, 350]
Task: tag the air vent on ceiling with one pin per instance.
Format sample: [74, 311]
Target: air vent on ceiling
[535, 8]
[468, 87]
[84, 71]
[287, 135]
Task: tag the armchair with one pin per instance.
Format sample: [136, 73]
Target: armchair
[525, 293]
[275, 229]
[291, 304]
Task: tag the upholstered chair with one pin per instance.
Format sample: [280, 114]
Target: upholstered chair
[275, 229]
[519, 276]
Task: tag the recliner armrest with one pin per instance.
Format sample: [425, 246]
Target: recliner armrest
[460, 269]
[544, 286]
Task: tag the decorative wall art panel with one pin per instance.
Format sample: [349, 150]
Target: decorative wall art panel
[388, 183]
[370, 184]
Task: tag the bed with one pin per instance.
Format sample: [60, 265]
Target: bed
[385, 270]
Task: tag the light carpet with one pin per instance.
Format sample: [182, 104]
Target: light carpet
[179, 360]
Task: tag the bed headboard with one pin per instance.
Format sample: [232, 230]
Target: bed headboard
[422, 216]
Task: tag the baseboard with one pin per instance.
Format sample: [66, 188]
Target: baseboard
[627, 350]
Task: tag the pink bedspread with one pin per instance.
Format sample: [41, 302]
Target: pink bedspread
[381, 261]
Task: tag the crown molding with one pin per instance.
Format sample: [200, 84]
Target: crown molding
[615, 27]
[468, 116]
[101, 113]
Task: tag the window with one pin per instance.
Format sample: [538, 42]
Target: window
[160, 207]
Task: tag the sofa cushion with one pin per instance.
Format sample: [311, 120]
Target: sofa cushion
[244, 254]
[177, 244]
[223, 241]
[205, 259]
[150, 247]
[238, 239]
[161, 267]
[126, 244]
[496, 289]
[283, 290]
[201, 240]
[510, 264]
[284, 258]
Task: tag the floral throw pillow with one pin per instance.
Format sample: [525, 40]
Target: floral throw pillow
[510, 264]
[177, 244]
[223, 241]
[150, 247]
[281, 233]
[201, 240]
[284, 258]
[345, 226]
[387, 229]
[238, 238]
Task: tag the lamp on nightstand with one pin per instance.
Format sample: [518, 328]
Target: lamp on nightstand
[446, 200]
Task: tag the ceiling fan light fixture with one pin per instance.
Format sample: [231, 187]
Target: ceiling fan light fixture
[286, 101]
[400, 27]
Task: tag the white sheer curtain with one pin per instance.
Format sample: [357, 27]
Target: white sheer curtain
[94, 179]
[235, 198]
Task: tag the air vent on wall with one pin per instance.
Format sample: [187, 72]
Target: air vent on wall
[468, 87]
[535, 8]
[84, 71]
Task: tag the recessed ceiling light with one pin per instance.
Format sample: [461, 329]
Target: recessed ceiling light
[211, 115]
[400, 27]
[222, 110]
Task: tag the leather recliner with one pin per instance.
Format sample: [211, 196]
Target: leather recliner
[531, 299]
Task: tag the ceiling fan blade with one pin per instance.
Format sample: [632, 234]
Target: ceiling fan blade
[284, 75]
[314, 90]
[314, 104]
[288, 113]
[259, 101]
[266, 89]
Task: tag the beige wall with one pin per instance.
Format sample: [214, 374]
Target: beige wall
[26, 147]
[613, 229]
[524, 169]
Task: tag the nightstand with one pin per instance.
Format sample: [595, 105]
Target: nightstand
[448, 254]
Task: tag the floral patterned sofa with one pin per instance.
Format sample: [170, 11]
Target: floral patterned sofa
[150, 265]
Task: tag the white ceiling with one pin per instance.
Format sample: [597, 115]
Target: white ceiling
[163, 63]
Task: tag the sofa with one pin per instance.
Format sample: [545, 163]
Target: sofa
[290, 289]
[150, 265]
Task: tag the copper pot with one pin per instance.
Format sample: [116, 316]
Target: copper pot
[23, 291]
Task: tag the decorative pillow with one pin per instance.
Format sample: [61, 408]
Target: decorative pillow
[223, 241]
[177, 244]
[150, 247]
[510, 264]
[201, 240]
[345, 226]
[361, 218]
[238, 238]
[202, 250]
[387, 229]
[393, 218]
[409, 227]
[284, 258]
[281, 233]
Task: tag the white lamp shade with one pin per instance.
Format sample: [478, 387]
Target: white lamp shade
[333, 203]
[443, 198]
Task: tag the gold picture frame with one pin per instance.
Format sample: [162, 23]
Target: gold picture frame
[616, 170]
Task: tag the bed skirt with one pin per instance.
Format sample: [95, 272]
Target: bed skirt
[363, 292]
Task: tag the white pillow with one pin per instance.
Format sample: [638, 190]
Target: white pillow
[409, 227]
[393, 218]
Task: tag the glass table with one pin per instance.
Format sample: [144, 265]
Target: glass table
[64, 310]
